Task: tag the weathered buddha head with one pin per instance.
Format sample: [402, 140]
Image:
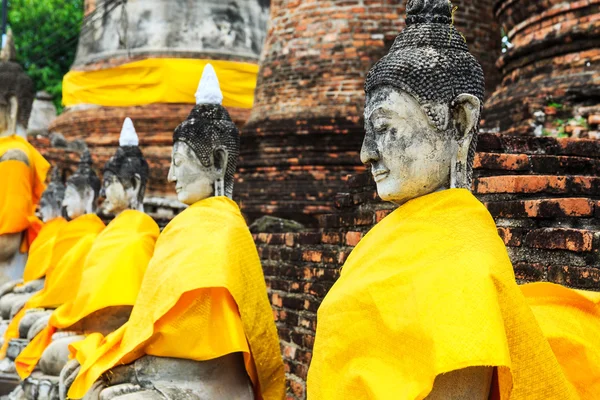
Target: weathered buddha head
[423, 105]
[82, 189]
[125, 174]
[205, 146]
[17, 92]
[52, 198]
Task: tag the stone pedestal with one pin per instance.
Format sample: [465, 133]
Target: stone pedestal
[305, 131]
[552, 68]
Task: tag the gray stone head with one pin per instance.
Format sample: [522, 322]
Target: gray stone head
[82, 189]
[17, 92]
[423, 105]
[206, 147]
[125, 174]
[52, 198]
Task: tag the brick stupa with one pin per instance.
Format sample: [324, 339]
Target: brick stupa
[115, 33]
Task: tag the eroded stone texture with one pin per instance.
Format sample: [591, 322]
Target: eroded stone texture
[551, 68]
[42, 113]
[306, 128]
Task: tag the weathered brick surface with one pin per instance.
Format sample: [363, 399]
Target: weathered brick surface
[306, 130]
[553, 66]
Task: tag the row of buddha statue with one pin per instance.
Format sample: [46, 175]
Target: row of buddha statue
[426, 306]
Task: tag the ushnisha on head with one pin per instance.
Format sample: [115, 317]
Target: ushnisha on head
[423, 107]
[52, 198]
[125, 174]
[17, 91]
[82, 189]
[205, 146]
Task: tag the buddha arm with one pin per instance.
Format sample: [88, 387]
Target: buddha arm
[9, 245]
[473, 383]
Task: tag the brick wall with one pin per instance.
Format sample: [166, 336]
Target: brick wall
[544, 194]
[553, 67]
[305, 131]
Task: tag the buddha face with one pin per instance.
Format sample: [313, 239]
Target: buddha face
[193, 181]
[408, 156]
[49, 209]
[117, 197]
[77, 202]
[8, 115]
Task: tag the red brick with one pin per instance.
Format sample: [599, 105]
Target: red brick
[521, 184]
[576, 240]
[580, 277]
[506, 162]
[352, 238]
[512, 237]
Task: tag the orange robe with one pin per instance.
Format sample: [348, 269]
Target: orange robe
[40, 252]
[570, 320]
[112, 275]
[21, 187]
[203, 297]
[430, 290]
[71, 247]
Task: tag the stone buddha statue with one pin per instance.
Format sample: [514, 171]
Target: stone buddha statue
[50, 206]
[199, 329]
[112, 272]
[14, 294]
[23, 169]
[426, 305]
[61, 262]
[82, 189]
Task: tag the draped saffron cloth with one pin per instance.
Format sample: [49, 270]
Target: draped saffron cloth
[112, 276]
[21, 189]
[71, 247]
[203, 297]
[430, 290]
[41, 250]
[570, 320]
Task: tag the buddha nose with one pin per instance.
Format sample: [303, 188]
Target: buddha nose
[171, 175]
[369, 153]
[102, 192]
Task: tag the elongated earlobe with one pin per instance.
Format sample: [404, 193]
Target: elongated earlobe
[466, 110]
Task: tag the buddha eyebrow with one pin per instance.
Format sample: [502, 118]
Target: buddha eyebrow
[381, 113]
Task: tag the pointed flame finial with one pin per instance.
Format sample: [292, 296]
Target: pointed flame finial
[129, 136]
[209, 90]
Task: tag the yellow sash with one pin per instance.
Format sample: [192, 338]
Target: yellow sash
[21, 189]
[205, 267]
[159, 80]
[429, 290]
[570, 320]
[71, 246]
[112, 273]
[40, 253]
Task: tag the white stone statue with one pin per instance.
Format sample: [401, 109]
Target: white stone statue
[201, 167]
[16, 98]
[423, 103]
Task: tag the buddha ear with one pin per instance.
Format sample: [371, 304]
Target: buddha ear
[89, 199]
[220, 158]
[465, 109]
[136, 183]
[13, 104]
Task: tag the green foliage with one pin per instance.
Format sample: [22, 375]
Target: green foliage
[45, 34]
[558, 106]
